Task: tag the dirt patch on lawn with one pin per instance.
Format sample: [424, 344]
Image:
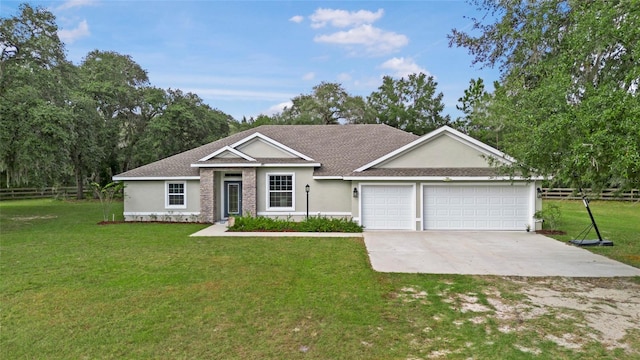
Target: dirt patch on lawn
[609, 307]
[571, 312]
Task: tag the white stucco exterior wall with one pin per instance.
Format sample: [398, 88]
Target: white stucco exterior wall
[441, 152]
[146, 201]
[330, 198]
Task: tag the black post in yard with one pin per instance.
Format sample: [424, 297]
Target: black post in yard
[585, 232]
[306, 189]
[593, 221]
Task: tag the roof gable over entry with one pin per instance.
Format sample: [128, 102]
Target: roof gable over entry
[260, 148]
[442, 148]
[252, 147]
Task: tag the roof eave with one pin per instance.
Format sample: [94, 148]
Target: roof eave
[440, 178]
[241, 165]
[154, 178]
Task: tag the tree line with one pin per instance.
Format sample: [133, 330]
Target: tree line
[64, 123]
[565, 107]
[411, 104]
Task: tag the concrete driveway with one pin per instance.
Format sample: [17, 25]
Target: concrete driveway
[486, 253]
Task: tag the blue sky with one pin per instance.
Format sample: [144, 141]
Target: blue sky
[251, 57]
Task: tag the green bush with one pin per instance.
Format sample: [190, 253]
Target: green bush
[550, 216]
[312, 224]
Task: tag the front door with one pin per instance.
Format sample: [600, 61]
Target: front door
[232, 198]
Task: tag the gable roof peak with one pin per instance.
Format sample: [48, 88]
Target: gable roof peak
[488, 150]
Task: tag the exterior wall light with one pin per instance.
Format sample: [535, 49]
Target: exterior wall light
[355, 192]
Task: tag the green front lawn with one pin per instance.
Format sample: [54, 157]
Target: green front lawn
[617, 221]
[72, 289]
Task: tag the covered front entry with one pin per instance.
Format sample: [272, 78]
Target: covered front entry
[388, 207]
[232, 198]
[476, 207]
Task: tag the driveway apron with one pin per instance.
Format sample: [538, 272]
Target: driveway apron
[486, 253]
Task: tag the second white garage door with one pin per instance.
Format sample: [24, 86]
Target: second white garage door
[481, 207]
[388, 207]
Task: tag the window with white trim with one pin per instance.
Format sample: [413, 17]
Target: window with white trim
[176, 195]
[280, 191]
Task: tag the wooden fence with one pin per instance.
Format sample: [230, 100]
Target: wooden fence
[40, 193]
[606, 194]
[547, 193]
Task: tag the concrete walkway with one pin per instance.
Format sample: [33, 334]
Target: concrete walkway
[486, 253]
[220, 230]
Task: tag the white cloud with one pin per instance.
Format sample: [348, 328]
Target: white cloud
[309, 76]
[277, 108]
[344, 77]
[402, 67]
[342, 18]
[297, 19]
[74, 3]
[70, 36]
[375, 41]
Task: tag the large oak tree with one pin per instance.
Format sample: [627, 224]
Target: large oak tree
[567, 103]
[35, 80]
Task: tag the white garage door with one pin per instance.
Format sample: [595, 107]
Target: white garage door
[487, 207]
[387, 207]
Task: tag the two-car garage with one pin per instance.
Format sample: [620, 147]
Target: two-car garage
[446, 206]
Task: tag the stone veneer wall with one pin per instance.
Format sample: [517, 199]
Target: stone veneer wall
[208, 203]
[207, 195]
[249, 199]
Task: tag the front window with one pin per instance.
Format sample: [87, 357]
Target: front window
[176, 195]
[280, 191]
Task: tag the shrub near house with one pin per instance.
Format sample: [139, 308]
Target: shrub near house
[312, 224]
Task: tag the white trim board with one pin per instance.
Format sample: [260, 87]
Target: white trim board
[440, 178]
[281, 165]
[303, 213]
[160, 213]
[334, 177]
[154, 178]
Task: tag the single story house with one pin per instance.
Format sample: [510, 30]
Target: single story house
[381, 177]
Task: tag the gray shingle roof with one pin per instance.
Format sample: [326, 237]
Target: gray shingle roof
[339, 148]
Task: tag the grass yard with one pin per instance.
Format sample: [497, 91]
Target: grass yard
[71, 289]
[617, 221]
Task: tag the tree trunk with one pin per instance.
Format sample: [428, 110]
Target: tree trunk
[79, 184]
